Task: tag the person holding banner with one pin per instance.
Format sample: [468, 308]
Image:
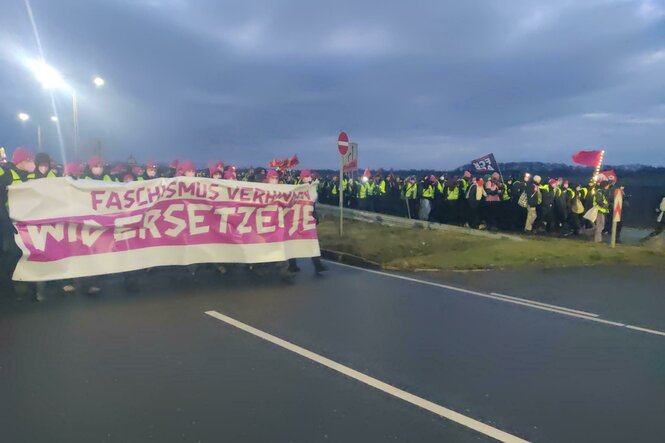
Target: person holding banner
[96, 170]
[319, 267]
[21, 168]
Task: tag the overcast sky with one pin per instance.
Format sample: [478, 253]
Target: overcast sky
[415, 84]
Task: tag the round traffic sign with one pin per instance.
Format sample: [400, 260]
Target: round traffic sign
[343, 143]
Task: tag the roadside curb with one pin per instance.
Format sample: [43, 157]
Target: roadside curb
[350, 259]
[400, 222]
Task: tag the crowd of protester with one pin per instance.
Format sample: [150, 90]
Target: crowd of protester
[529, 204]
[24, 166]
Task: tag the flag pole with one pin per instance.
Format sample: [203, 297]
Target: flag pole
[596, 173]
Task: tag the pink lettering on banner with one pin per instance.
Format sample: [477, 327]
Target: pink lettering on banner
[145, 196]
[167, 223]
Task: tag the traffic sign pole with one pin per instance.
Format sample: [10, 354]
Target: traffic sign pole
[341, 196]
[342, 147]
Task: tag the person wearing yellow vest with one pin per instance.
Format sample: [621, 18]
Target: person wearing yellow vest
[411, 196]
[150, 172]
[601, 201]
[374, 194]
[43, 170]
[42, 167]
[362, 192]
[534, 199]
[547, 205]
[451, 201]
[12, 173]
[426, 191]
[96, 170]
[572, 219]
[464, 209]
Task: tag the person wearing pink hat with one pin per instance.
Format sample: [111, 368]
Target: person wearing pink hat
[305, 173]
[306, 178]
[96, 170]
[151, 171]
[493, 201]
[216, 170]
[73, 170]
[186, 168]
[272, 177]
[230, 173]
[15, 172]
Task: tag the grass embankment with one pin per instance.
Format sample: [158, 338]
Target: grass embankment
[433, 249]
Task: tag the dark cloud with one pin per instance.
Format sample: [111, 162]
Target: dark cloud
[414, 84]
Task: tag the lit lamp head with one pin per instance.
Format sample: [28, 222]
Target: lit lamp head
[49, 77]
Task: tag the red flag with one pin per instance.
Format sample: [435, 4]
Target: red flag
[588, 158]
[287, 163]
[292, 161]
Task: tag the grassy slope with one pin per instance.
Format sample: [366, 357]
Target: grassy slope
[425, 249]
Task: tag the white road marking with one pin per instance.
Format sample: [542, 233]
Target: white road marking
[532, 302]
[507, 299]
[650, 331]
[373, 382]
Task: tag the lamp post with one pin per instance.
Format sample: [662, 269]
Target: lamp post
[51, 79]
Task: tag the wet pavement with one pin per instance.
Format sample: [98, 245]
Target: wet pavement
[152, 366]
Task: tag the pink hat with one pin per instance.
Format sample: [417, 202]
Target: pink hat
[185, 166]
[272, 174]
[151, 164]
[305, 173]
[215, 167]
[95, 160]
[73, 168]
[22, 155]
[229, 174]
[553, 181]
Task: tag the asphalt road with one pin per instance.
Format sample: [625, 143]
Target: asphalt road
[152, 366]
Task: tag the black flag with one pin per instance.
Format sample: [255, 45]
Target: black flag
[486, 163]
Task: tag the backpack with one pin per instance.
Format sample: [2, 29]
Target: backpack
[523, 200]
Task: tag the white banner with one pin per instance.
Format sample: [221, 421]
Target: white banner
[68, 228]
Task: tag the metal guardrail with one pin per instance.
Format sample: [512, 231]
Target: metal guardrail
[401, 222]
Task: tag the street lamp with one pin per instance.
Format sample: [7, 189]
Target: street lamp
[49, 77]
[98, 81]
[54, 119]
[23, 116]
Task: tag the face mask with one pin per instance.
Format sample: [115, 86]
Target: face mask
[43, 169]
[97, 170]
[189, 173]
